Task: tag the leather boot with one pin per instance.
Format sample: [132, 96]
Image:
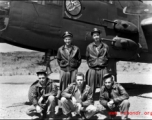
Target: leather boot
[59, 113]
[68, 117]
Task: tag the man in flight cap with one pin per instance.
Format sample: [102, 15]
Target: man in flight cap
[113, 97]
[97, 60]
[69, 59]
[77, 98]
[43, 96]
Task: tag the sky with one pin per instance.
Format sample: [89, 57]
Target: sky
[9, 48]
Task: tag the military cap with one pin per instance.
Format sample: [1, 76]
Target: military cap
[107, 75]
[67, 33]
[41, 72]
[95, 30]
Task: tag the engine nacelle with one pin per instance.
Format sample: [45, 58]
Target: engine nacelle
[146, 25]
[126, 29]
[124, 43]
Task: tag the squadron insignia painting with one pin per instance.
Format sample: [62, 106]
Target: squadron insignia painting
[96, 63]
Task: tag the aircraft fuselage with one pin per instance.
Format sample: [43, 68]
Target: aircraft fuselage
[40, 27]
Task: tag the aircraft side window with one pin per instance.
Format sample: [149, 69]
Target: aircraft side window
[37, 1]
[57, 2]
[108, 1]
[45, 2]
[33, 0]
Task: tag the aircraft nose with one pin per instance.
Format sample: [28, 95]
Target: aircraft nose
[4, 12]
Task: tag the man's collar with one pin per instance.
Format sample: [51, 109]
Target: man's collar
[114, 86]
[65, 47]
[101, 44]
[39, 85]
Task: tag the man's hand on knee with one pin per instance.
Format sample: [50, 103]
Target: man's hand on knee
[111, 104]
[79, 108]
[74, 100]
[42, 105]
[38, 109]
[90, 111]
[91, 108]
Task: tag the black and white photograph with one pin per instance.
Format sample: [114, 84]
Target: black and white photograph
[75, 59]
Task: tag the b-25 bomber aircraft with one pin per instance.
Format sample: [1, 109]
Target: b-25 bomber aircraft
[39, 25]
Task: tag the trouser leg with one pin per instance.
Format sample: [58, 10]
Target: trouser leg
[62, 86]
[31, 111]
[94, 78]
[91, 80]
[90, 111]
[124, 108]
[67, 106]
[73, 76]
[67, 78]
[51, 103]
[100, 73]
[64, 79]
[106, 111]
[102, 109]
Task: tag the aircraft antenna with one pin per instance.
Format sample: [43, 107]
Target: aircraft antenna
[35, 9]
[120, 4]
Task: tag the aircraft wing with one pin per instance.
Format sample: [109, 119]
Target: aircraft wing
[140, 9]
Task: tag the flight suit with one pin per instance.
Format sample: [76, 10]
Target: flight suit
[97, 60]
[69, 59]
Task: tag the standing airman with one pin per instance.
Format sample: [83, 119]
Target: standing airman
[97, 60]
[69, 59]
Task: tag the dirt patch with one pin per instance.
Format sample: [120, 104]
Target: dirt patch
[14, 100]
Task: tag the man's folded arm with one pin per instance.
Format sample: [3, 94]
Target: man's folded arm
[124, 95]
[66, 93]
[102, 99]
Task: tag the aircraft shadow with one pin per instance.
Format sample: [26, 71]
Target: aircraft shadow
[137, 89]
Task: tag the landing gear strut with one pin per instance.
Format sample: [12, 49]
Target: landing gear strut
[48, 59]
